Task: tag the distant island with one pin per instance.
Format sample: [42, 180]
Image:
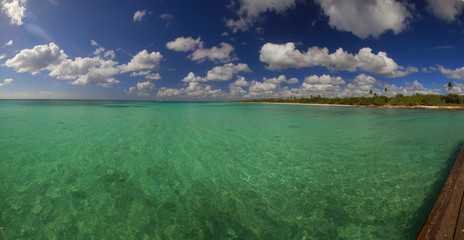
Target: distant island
[429, 101]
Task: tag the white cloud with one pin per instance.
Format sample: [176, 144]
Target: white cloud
[283, 56]
[141, 73]
[143, 61]
[153, 76]
[360, 86]
[37, 59]
[219, 73]
[458, 88]
[14, 9]
[409, 88]
[241, 82]
[6, 81]
[280, 79]
[447, 10]
[2, 56]
[226, 72]
[191, 77]
[87, 71]
[269, 88]
[324, 79]
[425, 70]
[325, 86]
[130, 90]
[221, 53]
[139, 15]
[96, 70]
[182, 44]
[366, 18]
[166, 16]
[144, 88]
[236, 90]
[251, 11]
[194, 91]
[147, 74]
[457, 73]
[9, 43]
[101, 50]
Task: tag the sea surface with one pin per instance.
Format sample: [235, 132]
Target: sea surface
[148, 170]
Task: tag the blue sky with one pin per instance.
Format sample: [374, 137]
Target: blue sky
[229, 49]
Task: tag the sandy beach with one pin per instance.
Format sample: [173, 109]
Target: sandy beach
[374, 106]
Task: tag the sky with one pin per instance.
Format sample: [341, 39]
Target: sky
[219, 50]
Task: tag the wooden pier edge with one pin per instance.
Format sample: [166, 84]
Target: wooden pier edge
[446, 220]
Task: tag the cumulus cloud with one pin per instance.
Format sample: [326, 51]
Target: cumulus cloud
[100, 50]
[283, 56]
[37, 59]
[325, 86]
[251, 11]
[410, 88]
[6, 81]
[223, 53]
[236, 90]
[360, 86]
[9, 43]
[153, 76]
[184, 44]
[99, 69]
[458, 88]
[144, 88]
[324, 79]
[269, 87]
[366, 18]
[143, 61]
[447, 10]
[280, 79]
[14, 9]
[139, 15]
[226, 72]
[86, 71]
[193, 91]
[457, 73]
[2, 56]
[191, 77]
[130, 90]
[219, 73]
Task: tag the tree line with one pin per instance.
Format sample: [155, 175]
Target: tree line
[398, 100]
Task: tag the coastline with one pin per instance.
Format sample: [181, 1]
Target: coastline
[374, 106]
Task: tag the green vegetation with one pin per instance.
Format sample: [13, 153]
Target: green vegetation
[376, 100]
[450, 86]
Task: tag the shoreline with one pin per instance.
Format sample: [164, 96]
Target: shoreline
[374, 106]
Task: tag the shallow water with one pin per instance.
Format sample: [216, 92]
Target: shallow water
[144, 170]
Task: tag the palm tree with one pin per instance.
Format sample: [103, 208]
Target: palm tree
[450, 86]
[370, 92]
[386, 91]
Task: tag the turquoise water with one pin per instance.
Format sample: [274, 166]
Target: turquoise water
[143, 170]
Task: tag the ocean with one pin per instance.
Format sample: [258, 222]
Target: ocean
[146, 170]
